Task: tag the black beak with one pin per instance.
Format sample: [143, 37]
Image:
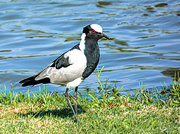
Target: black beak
[103, 35]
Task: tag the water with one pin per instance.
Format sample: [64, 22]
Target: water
[144, 46]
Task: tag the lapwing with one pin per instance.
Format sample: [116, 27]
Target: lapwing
[73, 66]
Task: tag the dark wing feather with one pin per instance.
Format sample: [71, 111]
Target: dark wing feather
[61, 61]
[32, 81]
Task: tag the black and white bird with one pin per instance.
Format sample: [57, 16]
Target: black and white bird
[73, 66]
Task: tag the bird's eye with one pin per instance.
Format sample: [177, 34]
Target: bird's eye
[93, 31]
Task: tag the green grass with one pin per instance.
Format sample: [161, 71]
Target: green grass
[104, 111]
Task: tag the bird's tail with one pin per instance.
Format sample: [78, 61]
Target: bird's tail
[31, 81]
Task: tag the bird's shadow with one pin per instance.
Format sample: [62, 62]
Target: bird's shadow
[63, 113]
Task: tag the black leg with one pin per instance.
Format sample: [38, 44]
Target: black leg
[75, 102]
[67, 98]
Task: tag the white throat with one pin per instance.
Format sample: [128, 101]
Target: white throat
[82, 42]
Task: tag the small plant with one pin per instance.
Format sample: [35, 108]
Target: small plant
[167, 95]
[164, 96]
[107, 94]
[173, 92]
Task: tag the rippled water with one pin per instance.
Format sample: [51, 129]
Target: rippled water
[144, 46]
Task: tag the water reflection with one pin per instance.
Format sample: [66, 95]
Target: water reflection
[172, 72]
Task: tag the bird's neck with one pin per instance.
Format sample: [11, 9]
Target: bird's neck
[82, 42]
[88, 43]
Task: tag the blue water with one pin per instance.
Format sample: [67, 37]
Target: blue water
[144, 45]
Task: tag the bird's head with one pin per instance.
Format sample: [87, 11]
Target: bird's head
[94, 31]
